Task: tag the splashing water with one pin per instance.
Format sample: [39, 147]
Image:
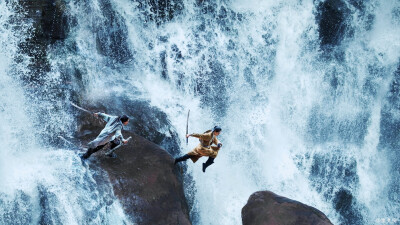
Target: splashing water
[39, 185]
[302, 114]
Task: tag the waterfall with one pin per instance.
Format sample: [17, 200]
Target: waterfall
[306, 93]
[39, 184]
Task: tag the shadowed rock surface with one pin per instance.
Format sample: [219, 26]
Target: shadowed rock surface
[49, 25]
[142, 177]
[267, 208]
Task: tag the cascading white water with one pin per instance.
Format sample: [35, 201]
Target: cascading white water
[39, 184]
[294, 121]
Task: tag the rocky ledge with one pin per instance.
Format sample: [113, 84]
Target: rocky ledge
[267, 208]
[142, 177]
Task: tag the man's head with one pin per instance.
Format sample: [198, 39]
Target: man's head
[217, 130]
[125, 120]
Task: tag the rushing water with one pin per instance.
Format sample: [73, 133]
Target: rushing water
[39, 184]
[308, 110]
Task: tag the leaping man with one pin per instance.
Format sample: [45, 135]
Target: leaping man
[205, 147]
[110, 133]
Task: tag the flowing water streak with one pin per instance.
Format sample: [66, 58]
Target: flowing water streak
[15, 122]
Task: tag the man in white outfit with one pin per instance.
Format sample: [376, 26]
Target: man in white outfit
[110, 133]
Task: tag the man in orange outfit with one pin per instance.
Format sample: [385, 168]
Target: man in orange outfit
[204, 148]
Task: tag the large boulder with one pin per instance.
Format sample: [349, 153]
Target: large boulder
[267, 208]
[142, 176]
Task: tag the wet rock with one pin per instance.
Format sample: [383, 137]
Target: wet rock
[163, 59]
[267, 208]
[143, 177]
[332, 21]
[336, 167]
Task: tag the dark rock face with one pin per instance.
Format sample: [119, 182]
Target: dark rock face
[50, 18]
[142, 177]
[331, 18]
[49, 24]
[347, 207]
[267, 208]
[42, 25]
